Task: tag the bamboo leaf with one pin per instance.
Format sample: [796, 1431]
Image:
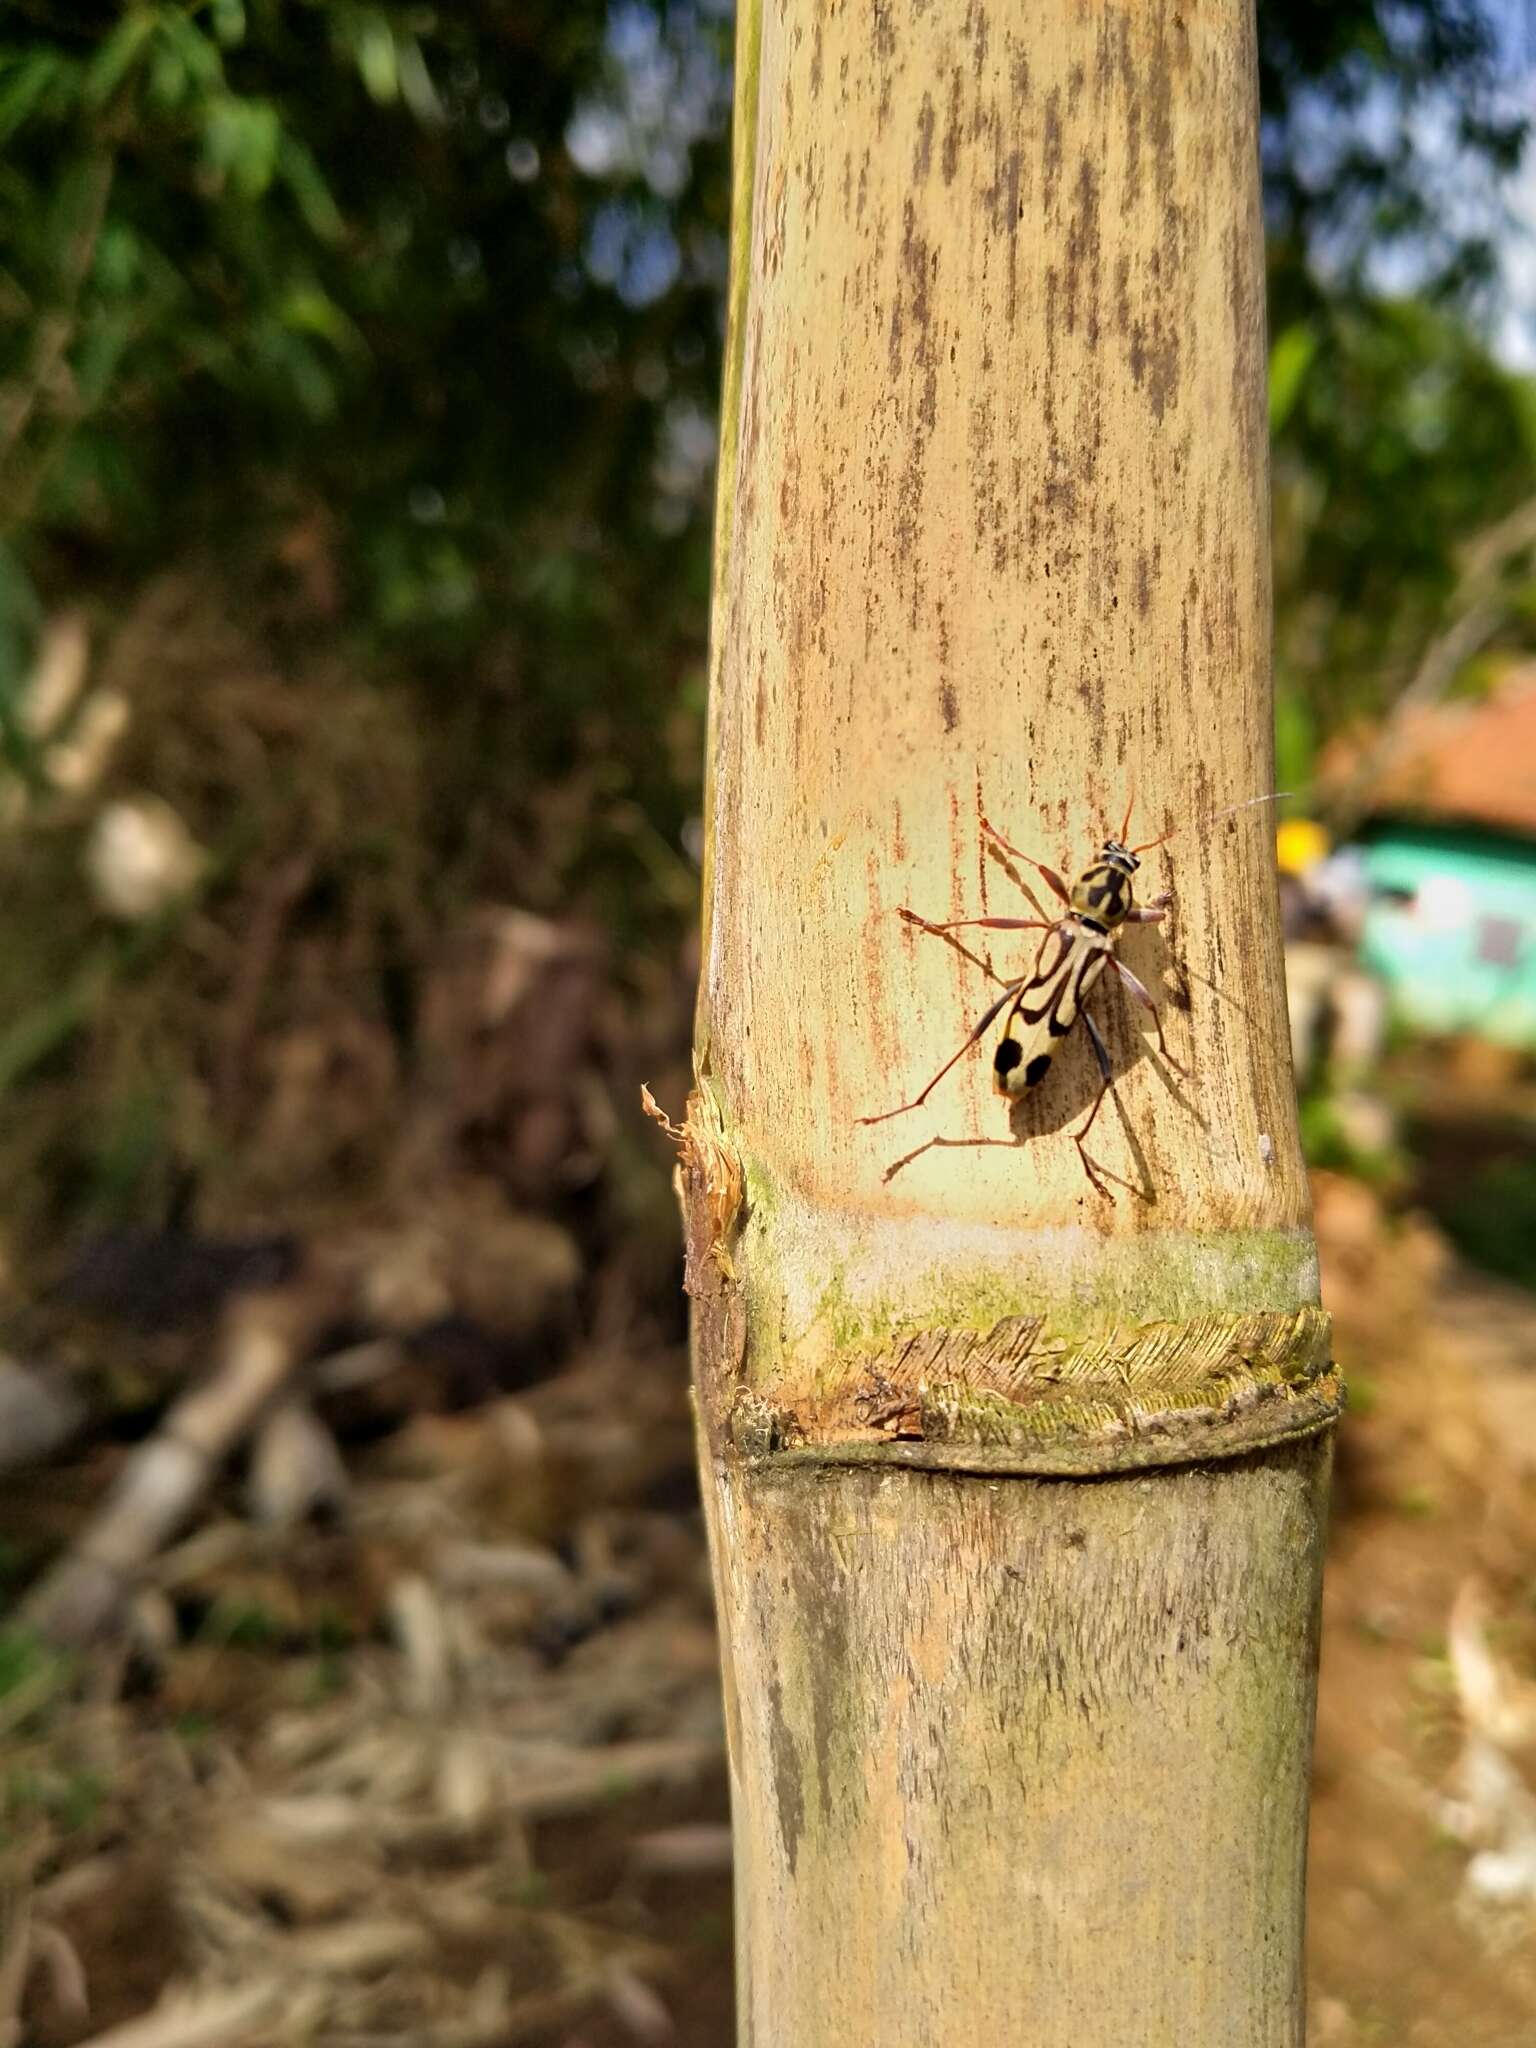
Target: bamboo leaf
[71, 217]
[241, 140]
[308, 310]
[200, 55]
[25, 82]
[416, 87]
[1289, 361]
[118, 55]
[373, 50]
[297, 169]
[99, 354]
[118, 265]
[185, 61]
[228, 18]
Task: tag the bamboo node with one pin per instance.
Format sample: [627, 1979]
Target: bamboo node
[1014, 1398]
[711, 1185]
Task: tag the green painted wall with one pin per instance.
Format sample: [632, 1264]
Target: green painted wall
[1451, 929]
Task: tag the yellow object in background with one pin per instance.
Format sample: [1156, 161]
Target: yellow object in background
[1300, 843]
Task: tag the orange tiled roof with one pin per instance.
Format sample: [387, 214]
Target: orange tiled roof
[1472, 762]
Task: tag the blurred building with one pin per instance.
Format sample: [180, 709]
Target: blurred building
[1448, 849]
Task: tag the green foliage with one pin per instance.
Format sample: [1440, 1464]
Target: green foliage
[24, 1663]
[68, 1799]
[262, 255]
[452, 276]
[33, 1677]
[1388, 131]
[1328, 1141]
[1369, 109]
[240, 1624]
[1291, 356]
[403, 324]
[1492, 1220]
[455, 274]
[1397, 442]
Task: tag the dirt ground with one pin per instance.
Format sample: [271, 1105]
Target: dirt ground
[1433, 1495]
[448, 1767]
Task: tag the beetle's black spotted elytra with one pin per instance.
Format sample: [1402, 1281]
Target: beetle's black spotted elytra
[1044, 1004]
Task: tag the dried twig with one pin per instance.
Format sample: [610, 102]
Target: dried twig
[682, 1851]
[265, 1341]
[296, 1469]
[209, 2019]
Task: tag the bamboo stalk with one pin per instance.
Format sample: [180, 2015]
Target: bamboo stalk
[1015, 1494]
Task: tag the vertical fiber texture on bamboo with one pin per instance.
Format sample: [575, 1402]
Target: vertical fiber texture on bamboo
[993, 539]
[1014, 1757]
[1021, 1764]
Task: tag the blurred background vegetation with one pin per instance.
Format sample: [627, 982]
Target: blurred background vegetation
[358, 379]
[378, 345]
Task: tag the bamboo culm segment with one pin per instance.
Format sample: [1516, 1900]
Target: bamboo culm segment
[1122, 1667]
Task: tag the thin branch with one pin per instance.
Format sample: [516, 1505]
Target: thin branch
[1480, 607]
[264, 1343]
[57, 328]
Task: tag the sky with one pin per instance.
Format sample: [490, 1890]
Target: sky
[1465, 199]
[1515, 335]
[1516, 20]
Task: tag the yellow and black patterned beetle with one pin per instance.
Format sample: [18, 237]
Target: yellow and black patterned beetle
[1044, 1004]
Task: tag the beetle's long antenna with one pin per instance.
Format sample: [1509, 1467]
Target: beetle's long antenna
[1125, 829]
[1278, 796]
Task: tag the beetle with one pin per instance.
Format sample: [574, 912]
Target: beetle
[1044, 1005]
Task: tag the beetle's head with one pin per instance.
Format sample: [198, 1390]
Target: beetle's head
[1120, 857]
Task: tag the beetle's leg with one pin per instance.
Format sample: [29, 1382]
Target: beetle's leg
[993, 924]
[1010, 989]
[1098, 1175]
[1053, 880]
[1091, 1166]
[1150, 913]
[1139, 991]
[1007, 924]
